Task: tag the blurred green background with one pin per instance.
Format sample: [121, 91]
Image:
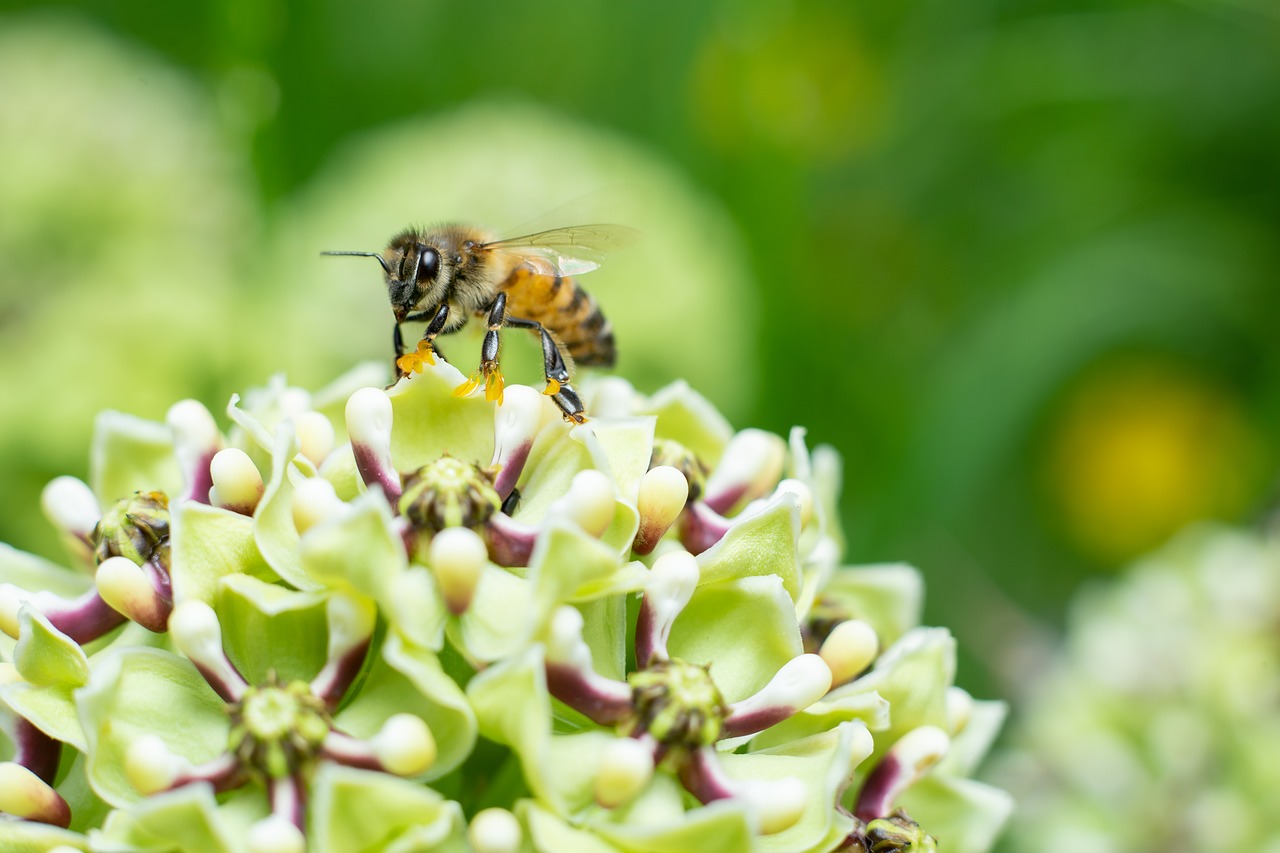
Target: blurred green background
[1018, 262]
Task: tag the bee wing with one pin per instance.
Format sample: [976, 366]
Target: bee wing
[575, 249]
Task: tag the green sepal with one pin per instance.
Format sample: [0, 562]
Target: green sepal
[621, 448]
[138, 691]
[970, 745]
[209, 543]
[823, 763]
[130, 454]
[767, 543]
[553, 461]
[44, 655]
[266, 627]
[723, 826]
[273, 528]
[30, 572]
[50, 709]
[548, 833]
[868, 707]
[359, 551]
[888, 596]
[352, 809]
[24, 836]
[186, 818]
[686, 416]
[964, 815]
[408, 679]
[430, 422]
[745, 629]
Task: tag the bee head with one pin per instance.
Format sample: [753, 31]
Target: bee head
[412, 271]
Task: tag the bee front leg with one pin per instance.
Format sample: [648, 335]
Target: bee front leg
[489, 374]
[556, 371]
[425, 353]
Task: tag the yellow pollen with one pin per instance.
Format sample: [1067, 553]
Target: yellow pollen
[553, 387]
[493, 385]
[467, 387]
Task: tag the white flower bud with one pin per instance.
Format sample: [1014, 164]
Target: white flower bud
[804, 496]
[515, 423]
[275, 834]
[921, 748]
[237, 484]
[314, 502]
[458, 557]
[800, 682]
[564, 641]
[369, 417]
[315, 436]
[625, 770]
[494, 830]
[198, 635]
[849, 649]
[749, 467]
[150, 766]
[25, 795]
[404, 745]
[959, 708]
[11, 598]
[663, 493]
[777, 804]
[589, 502]
[126, 588]
[70, 505]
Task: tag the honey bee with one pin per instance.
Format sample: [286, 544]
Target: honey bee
[446, 275]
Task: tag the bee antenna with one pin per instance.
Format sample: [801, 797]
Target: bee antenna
[381, 260]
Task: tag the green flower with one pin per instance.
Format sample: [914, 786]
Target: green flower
[383, 610]
[1157, 727]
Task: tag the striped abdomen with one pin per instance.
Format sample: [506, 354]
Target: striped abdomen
[535, 291]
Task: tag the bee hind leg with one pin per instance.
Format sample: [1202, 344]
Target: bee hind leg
[489, 374]
[556, 371]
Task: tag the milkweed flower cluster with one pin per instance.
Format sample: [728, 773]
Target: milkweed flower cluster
[400, 620]
[1157, 729]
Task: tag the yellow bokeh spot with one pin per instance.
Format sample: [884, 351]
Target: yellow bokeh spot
[1142, 449]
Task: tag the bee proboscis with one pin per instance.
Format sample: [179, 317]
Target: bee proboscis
[447, 274]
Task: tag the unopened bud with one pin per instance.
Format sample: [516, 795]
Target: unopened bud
[131, 591]
[27, 796]
[404, 745]
[71, 506]
[663, 492]
[849, 649]
[369, 417]
[589, 502]
[959, 708]
[625, 770]
[672, 454]
[315, 436]
[314, 501]
[494, 830]
[749, 467]
[275, 834]
[150, 766]
[515, 423]
[458, 557]
[237, 483]
[804, 496]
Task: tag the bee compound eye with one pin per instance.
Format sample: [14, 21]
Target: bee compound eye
[428, 264]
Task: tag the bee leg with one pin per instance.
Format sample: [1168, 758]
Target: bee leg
[557, 373]
[489, 373]
[425, 353]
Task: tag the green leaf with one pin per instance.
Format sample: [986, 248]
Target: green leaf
[208, 544]
[46, 656]
[430, 422]
[765, 544]
[131, 454]
[135, 692]
[745, 629]
[352, 810]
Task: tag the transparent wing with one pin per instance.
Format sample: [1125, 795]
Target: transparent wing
[574, 250]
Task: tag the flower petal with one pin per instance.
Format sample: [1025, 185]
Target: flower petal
[764, 544]
[131, 454]
[352, 809]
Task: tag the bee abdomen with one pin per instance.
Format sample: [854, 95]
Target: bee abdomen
[572, 314]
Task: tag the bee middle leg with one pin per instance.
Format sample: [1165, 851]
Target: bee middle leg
[489, 373]
[556, 372]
